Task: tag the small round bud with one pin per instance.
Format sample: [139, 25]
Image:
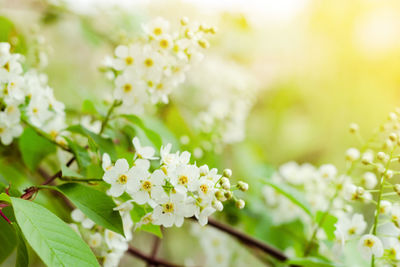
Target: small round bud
[227, 173]
[353, 128]
[243, 186]
[380, 168]
[223, 180]
[396, 188]
[389, 174]
[228, 194]
[393, 137]
[217, 205]
[367, 157]
[392, 116]
[226, 185]
[381, 156]
[240, 204]
[352, 154]
[220, 195]
[184, 21]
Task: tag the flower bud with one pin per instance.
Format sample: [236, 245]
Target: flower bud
[392, 116]
[367, 157]
[228, 194]
[184, 21]
[240, 204]
[393, 137]
[389, 174]
[381, 156]
[220, 195]
[352, 154]
[353, 128]
[396, 188]
[227, 173]
[223, 180]
[217, 205]
[243, 186]
[226, 185]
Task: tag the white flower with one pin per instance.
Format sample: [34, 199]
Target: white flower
[143, 152]
[328, 171]
[185, 178]
[203, 214]
[145, 187]
[118, 177]
[347, 228]
[78, 216]
[115, 241]
[385, 207]
[369, 180]
[395, 215]
[106, 162]
[156, 28]
[124, 209]
[128, 86]
[127, 56]
[8, 131]
[95, 240]
[352, 154]
[370, 245]
[171, 210]
[111, 259]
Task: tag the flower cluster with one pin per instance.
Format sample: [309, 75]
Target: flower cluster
[26, 93]
[148, 69]
[107, 245]
[175, 190]
[342, 195]
[224, 93]
[318, 185]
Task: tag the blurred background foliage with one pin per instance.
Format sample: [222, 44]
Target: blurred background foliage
[319, 65]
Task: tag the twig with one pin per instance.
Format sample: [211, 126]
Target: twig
[248, 240]
[154, 261]
[156, 246]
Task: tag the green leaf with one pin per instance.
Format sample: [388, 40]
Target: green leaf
[8, 33]
[291, 193]
[151, 135]
[22, 251]
[328, 224]
[67, 172]
[34, 148]
[89, 107]
[81, 154]
[310, 262]
[5, 198]
[8, 239]
[105, 145]
[151, 228]
[51, 238]
[98, 206]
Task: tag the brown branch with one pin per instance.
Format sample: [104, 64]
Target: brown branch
[248, 240]
[57, 174]
[154, 261]
[156, 246]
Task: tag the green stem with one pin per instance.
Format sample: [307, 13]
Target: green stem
[378, 205]
[46, 135]
[70, 179]
[107, 117]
